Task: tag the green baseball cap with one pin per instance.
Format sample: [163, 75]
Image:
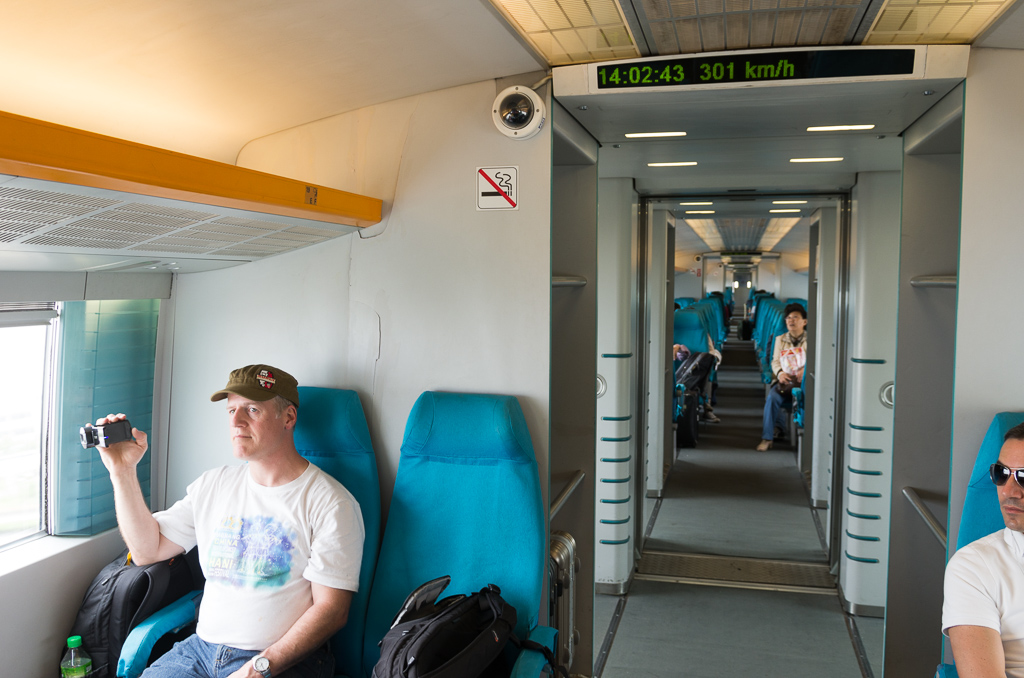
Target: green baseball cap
[260, 382]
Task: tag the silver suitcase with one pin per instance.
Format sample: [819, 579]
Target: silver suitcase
[562, 568]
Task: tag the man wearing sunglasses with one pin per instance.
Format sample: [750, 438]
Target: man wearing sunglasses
[983, 607]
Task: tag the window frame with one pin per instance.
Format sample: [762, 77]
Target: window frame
[18, 314]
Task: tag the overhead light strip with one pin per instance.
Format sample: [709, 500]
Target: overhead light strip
[840, 128]
[654, 135]
[672, 164]
[816, 159]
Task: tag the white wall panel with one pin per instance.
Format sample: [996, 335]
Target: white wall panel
[989, 372]
[616, 366]
[824, 361]
[871, 363]
[793, 276]
[441, 297]
[657, 289]
[687, 284]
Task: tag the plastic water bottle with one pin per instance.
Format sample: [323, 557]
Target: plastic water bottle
[76, 663]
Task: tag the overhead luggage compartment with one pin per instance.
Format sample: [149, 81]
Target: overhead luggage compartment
[66, 191]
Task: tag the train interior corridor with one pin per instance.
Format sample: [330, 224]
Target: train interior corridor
[734, 577]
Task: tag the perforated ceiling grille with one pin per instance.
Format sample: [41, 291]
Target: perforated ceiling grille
[53, 219]
[933, 21]
[776, 231]
[741, 234]
[571, 31]
[685, 26]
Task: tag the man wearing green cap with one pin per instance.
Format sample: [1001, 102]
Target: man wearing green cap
[280, 541]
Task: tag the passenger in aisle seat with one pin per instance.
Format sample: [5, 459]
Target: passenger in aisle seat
[789, 355]
[280, 541]
[691, 364]
[983, 603]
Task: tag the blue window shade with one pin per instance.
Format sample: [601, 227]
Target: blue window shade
[106, 366]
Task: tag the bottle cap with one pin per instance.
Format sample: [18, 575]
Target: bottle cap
[75, 641]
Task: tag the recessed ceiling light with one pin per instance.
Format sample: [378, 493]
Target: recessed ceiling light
[671, 164]
[700, 211]
[815, 159]
[651, 135]
[696, 203]
[789, 202]
[839, 128]
[782, 211]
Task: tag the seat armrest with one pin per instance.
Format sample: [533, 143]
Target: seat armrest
[139, 643]
[531, 663]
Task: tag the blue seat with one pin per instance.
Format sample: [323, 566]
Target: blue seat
[331, 432]
[981, 515]
[467, 504]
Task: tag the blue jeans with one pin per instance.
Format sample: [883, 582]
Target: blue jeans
[773, 416]
[195, 658]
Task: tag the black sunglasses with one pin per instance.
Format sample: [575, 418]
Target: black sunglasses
[1000, 474]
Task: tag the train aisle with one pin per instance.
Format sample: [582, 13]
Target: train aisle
[734, 577]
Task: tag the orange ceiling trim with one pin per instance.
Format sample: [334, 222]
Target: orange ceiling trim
[43, 150]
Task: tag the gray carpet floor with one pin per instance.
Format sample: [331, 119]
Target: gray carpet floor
[725, 498]
[675, 630]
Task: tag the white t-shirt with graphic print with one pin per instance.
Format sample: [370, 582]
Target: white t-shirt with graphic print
[260, 547]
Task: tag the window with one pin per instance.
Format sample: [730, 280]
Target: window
[24, 332]
[106, 365]
[98, 358]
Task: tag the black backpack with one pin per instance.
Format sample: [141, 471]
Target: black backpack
[121, 596]
[457, 637]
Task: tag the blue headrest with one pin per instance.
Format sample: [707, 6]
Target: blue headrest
[981, 515]
[467, 429]
[688, 329]
[340, 423]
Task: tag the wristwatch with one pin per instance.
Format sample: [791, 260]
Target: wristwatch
[262, 665]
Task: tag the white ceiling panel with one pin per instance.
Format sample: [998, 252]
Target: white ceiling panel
[761, 164]
[204, 78]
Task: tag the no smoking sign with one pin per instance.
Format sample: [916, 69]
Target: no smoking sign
[497, 188]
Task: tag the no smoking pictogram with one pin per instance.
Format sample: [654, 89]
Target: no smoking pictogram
[497, 188]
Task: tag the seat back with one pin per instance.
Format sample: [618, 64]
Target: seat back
[331, 432]
[467, 503]
[981, 515]
[688, 330]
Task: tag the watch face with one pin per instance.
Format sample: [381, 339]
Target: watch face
[261, 664]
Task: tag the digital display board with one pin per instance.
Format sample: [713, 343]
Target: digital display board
[763, 67]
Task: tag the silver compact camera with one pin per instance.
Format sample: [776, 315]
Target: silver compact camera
[106, 435]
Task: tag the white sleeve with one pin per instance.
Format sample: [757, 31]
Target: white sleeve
[969, 598]
[178, 523]
[336, 550]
